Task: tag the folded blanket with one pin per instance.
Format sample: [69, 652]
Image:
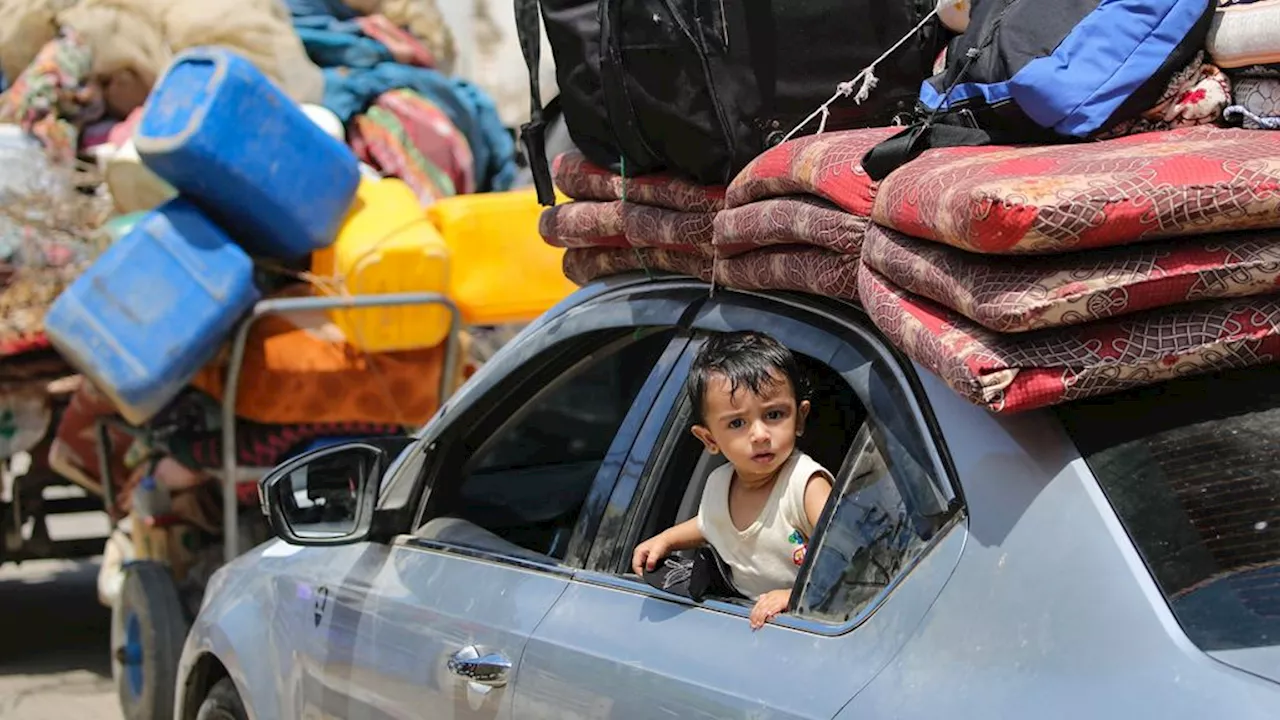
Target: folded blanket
[1256, 104]
[799, 220]
[798, 268]
[827, 165]
[587, 223]
[407, 136]
[584, 265]
[1062, 198]
[580, 179]
[1010, 373]
[348, 92]
[1245, 34]
[1028, 293]
[1195, 95]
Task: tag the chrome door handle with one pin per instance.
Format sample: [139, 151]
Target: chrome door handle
[489, 669]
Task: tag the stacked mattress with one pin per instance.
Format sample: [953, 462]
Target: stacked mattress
[1027, 277]
[1023, 276]
[618, 224]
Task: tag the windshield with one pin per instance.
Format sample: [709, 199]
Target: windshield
[1193, 470]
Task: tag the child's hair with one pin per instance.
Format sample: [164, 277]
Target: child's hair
[747, 359]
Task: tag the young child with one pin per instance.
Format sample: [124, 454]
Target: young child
[758, 510]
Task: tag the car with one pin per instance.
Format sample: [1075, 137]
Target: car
[1113, 557]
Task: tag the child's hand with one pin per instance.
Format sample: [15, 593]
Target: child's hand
[648, 553]
[768, 606]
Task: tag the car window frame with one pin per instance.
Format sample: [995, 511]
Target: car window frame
[782, 315]
[660, 307]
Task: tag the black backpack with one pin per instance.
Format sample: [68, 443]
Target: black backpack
[1043, 71]
[701, 87]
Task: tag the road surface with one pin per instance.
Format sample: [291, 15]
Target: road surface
[53, 641]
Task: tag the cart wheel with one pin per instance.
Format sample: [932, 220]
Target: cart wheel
[148, 629]
[222, 703]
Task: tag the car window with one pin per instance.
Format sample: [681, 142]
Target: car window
[1191, 470]
[526, 481]
[889, 500]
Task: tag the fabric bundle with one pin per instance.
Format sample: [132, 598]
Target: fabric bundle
[1245, 41]
[620, 224]
[406, 118]
[1031, 276]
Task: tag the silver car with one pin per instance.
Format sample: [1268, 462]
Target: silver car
[1111, 558]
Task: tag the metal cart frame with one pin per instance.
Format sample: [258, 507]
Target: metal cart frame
[294, 306]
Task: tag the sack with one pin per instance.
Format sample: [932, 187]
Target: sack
[701, 88]
[1039, 71]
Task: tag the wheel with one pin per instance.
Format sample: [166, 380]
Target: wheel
[148, 629]
[222, 703]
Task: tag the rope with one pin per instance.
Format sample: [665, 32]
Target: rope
[865, 81]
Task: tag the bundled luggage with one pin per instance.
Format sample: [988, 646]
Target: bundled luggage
[700, 89]
[1049, 71]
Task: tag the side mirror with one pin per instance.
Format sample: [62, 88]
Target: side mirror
[325, 497]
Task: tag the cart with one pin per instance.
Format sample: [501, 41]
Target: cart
[152, 612]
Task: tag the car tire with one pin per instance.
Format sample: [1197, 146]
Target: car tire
[148, 629]
[222, 703]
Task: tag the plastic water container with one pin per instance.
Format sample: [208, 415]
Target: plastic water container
[153, 308]
[502, 270]
[232, 142]
[387, 245]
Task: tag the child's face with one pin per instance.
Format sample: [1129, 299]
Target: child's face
[756, 432]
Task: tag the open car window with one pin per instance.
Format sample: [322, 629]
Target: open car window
[522, 479]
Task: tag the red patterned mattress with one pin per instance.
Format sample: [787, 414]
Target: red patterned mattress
[1010, 373]
[581, 180]
[583, 265]
[791, 267]
[800, 220]
[587, 223]
[1063, 198]
[1017, 294]
[828, 166]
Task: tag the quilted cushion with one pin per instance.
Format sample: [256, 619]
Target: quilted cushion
[800, 220]
[1027, 293]
[586, 223]
[1245, 34]
[792, 267]
[827, 165]
[581, 180]
[1257, 103]
[1010, 373]
[583, 265]
[1062, 198]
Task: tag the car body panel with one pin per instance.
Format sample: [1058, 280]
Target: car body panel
[1033, 603]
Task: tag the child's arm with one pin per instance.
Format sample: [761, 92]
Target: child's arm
[815, 497]
[684, 536]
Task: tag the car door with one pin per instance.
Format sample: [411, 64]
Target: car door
[512, 475]
[612, 646]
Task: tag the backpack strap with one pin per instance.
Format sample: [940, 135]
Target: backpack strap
[533, 134]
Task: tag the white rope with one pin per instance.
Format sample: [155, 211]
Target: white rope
[866, 82]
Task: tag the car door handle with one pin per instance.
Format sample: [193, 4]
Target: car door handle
[489, 669]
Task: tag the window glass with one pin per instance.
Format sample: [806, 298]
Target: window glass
[887, 503]
[527, 483]
[1191, 469]
[871, 537]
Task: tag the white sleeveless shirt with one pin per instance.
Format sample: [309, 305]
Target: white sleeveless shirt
[768, 554]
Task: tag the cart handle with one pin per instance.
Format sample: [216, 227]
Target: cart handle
[293, 306]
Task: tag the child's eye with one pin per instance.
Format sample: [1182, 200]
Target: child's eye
[735, 424]
[776, 414]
